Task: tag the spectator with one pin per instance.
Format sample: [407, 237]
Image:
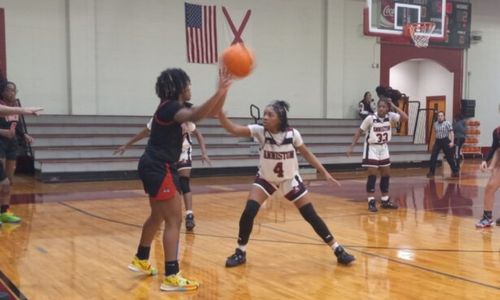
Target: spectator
[367, 106]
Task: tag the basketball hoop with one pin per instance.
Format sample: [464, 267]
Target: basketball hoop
[420, 33]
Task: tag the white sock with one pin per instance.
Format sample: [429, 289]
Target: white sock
[384, 198]
[189, 212]
[242, 247]
[371, 198]
[335, 245]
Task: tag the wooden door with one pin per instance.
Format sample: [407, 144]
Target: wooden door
[434, 105]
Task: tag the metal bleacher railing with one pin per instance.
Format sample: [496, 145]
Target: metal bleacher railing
[417, 119]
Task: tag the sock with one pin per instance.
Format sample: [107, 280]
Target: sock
[188, 212]
[4, 208]
[171, 267]
[488, 214]
[384, 198]
[371, 198]
[242, 247]
[335, 245]
[143, 252]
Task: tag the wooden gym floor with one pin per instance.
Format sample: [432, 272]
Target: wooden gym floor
[76, 240]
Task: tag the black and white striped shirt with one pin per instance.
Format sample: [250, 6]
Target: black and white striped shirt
[442, 129]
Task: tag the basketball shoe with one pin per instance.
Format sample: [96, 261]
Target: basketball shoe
[9, 217]
[388, 204]
[142, 265]
[372, 205]
[190, 222]
[239, 257]
[343, 257]
[176, 282]
[484, 222]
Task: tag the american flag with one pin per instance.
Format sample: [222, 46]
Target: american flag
[201, 33]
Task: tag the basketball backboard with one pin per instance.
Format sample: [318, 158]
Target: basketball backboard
[388, 17]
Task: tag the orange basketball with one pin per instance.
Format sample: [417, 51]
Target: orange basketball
[238, 60]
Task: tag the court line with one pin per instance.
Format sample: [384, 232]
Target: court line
[401, 262]
[354, 248]
[11, 287]
[276, 241]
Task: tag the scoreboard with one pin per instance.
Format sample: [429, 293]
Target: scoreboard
[459, 25]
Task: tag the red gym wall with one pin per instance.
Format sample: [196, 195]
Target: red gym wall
[3, 57]
[451, 59]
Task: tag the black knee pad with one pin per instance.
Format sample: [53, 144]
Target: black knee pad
[309, 214]
[384, 184]
[370, 183]
[184, 181]
[246, 221]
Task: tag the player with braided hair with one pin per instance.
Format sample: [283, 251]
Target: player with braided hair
[279, 170]
[378, 129]
[158, 172]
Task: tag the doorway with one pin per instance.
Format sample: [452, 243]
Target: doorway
[434, 104]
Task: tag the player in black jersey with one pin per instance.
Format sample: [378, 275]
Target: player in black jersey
[493, 157]
[158, 172]
[9, 131]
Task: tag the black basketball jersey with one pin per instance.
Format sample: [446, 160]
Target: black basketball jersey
[165, 139]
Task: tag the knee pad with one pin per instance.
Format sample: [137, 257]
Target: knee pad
[384, 184]
[246, 221]
[370, 183]
[251, 209]
[184, 181]
[309, 214]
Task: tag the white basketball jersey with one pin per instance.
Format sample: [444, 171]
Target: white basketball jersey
[187, 128]
[379, 130]
[278, 157]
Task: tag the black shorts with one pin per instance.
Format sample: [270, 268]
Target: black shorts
[8, 149]
[3, 175]
[160, 180]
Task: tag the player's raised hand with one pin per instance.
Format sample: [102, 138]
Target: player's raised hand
[225, 79]
[484, 166]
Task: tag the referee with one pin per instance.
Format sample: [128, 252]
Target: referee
[444, 138]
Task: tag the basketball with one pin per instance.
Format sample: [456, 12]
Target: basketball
[238, 59]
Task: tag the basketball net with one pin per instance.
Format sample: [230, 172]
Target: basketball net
[421, 33]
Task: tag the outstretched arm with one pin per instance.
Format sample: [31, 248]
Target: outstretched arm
[232, 128]
[209, 107]
[313, 160]
[355, 139]
[14, 110]
[139, 136]
[201, 142]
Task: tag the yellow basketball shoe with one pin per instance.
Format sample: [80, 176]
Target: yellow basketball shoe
[9, 217]
[178, 283]
[142, 265]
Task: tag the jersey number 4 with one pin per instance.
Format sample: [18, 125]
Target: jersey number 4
[382, 137]
[278, 169]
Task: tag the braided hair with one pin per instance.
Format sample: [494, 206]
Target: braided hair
[281, 107]
[171, 83]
